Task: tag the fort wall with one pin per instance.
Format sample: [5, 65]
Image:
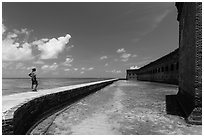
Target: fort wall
[184, 65]
[21, 111]
[164, 69]
[190, 59]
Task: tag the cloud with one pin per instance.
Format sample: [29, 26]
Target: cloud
[13, 50]
[114, 71]
[69, 47]
[134, 67]
[122, 50]
[134, 55]
[40, 42]
[82, 72]
[67, 69]
[91, 68]
[68, 61]
[87, 69]
[160, 17]
[49, 67]
[75, 69]
[125, 57]
[50, 49]
[106, 64]
[156, 21]
[3, 28]
[22, 31]
[103, 57]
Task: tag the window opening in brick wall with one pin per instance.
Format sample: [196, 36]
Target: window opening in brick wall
[172, 67]
[166, 68]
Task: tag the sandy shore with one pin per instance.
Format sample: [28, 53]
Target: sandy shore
[125, 107]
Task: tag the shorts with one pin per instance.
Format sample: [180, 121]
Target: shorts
[35, 82]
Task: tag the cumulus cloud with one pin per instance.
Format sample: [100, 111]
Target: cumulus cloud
[122, 50]
[22, 31]
[75, 69]
[68, 61]
[51, 48]
[40, 42]
[134, 67]
[91, 68]
[106, 64]
[15, 46]
[3, 28]
[13, 50]
[49, 67]
[67, 69]
[103, 57]
[125, 57]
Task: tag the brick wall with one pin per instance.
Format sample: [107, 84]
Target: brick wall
[164, 70]
[190, 59]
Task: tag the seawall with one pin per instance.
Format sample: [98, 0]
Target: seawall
[21, 111]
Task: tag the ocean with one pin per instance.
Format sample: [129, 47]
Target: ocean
[19, 85]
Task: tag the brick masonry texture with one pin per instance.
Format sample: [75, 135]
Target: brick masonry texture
[190, 60]
[164, 70]
[19, 119]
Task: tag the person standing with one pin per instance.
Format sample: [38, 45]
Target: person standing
[33, 79]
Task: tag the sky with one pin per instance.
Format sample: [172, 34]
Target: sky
[85, 39]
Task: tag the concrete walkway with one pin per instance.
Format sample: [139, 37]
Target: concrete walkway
[123, 108]
[10, 101]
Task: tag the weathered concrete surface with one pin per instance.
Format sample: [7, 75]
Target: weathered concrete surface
[125, 107]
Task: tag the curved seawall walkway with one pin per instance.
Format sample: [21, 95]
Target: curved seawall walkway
[22, 111]
[125, 107]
